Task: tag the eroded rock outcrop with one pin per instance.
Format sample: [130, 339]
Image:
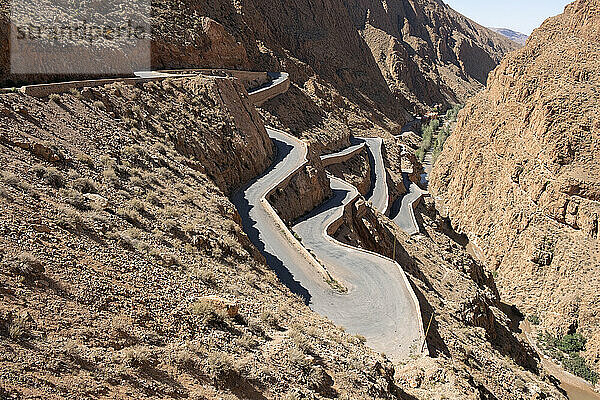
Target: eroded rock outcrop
[305, 190]
[520, 174]
[356, 171]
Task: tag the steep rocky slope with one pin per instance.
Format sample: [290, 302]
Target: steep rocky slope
[115, 225]
[427, 52]
[520, 174]
[356, 65]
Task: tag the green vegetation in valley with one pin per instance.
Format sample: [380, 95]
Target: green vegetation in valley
[452, 113]
[566, 351]
[434, 137]
[427, 131]
[440, 141]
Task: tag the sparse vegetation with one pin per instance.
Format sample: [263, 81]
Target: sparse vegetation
[131, 311]
[219, 365]
[111, 177]
[10, 178]
[452, 113]
[99, 105]
[75, 92]
[140, 357]
[130, 215]
[18, 329]
[5, 194]
[566, 350]
[247, 341]
[54, 177]
[427, 132]
[27, 266]
[270, 318]
[185, 360]
[54, 98]
[74, 198]
[210, 313]
[534, 319]
[299, 338]
[68, 217]
[85, 185]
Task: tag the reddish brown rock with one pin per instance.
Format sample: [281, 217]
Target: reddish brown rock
[520, 173]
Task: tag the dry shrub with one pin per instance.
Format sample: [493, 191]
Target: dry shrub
[270, 318]
[247, 341]
[111, 177]
[19, 327]
[209, 312]
[27, 266]
[299, 360]
[68, 217]
[99, 105]
[184, 359]
[140, 357]
[10, 179]
[300, 339]
[219, 365]
[130, 215]
[4, 193]
[17, 330]
[54, 177]
[85, 185]
[74, 198]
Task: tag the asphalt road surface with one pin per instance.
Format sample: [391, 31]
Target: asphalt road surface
[402, 211]
[379, 195]
[379, 303]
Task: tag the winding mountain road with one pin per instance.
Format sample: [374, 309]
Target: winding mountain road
[380, 303]
[343, 155]
[379, 194]
[296, 268]
[402, 211]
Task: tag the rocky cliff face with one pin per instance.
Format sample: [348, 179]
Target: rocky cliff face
[371, 60]
[305, 190]
[520, 174]
[427, 52]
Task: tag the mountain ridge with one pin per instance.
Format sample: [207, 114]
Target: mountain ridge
[515, 36]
